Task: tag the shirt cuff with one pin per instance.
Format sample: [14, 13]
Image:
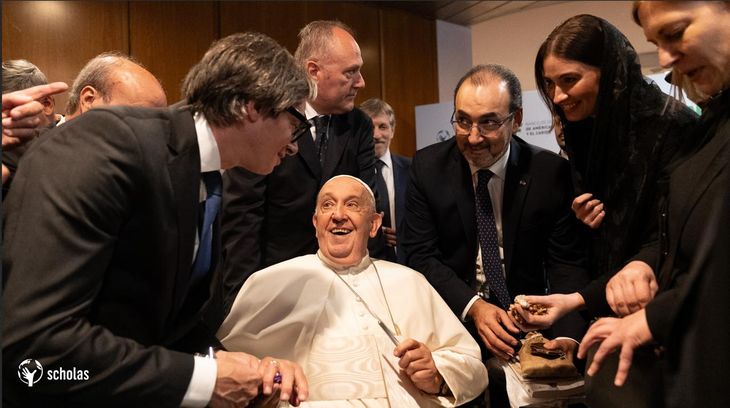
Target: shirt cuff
[201, 384]
[464, 314]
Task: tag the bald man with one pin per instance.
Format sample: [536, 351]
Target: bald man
[113, 79]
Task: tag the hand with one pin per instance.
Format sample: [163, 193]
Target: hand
[558, 305]
[293, 386]
[417, 362]
[21, 110]
[590, 212]
[631, 288]
[237, 379]
[389, 236]
[628, 333]
[568, 346]
[6, 173]
[491, 321]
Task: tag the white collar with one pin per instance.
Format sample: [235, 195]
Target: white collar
[386, 158]
[210, 156]
[345, 270]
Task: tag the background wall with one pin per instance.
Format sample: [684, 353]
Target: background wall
[513, 40]
[399, 48]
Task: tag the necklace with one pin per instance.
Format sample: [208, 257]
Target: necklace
[359, 298]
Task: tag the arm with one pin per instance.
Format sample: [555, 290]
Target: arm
[60, 240]
[242, 219]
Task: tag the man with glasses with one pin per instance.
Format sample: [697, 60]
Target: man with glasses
[111, 243]
[488, 215]
[267, 220]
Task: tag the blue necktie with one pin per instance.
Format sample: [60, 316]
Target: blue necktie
[213, 185]
[487, 230]
[383, 198]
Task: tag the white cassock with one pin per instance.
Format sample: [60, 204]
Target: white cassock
[300, 310]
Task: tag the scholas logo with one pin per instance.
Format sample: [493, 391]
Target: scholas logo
[30, 371]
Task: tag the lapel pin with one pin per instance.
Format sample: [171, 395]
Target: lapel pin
[523, 183]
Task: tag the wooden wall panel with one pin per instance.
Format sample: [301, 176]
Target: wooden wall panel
[410, 74]
[61, 36]
[292, 16]
[170, 37]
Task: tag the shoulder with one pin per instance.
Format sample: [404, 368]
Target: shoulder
[532, 155]
[440, 151]
[400, 275]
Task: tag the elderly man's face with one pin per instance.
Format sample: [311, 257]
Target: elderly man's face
[345, 218]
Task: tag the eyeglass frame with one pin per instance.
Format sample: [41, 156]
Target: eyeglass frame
[498, 123]
[303, 127]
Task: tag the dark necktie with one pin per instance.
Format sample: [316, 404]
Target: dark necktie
[321, 135]
[211, 205]
[383, 198]
[487, 230]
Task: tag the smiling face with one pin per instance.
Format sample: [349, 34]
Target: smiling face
[344, 219]
[382, 133]
[692, 37]
[337, 75]
[572, 86]
[478, 104]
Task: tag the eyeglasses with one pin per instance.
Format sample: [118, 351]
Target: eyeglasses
[464, 125]
[303, 126]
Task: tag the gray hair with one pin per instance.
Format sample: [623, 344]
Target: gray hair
[370, 196]
[97, 74]
[315, 40]
[483, 74]
[21, 74]
[376, 106]
[241, 68]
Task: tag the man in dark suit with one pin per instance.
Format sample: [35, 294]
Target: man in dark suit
[267, 220]
[110, 247]
[488, 215]
[391, 178]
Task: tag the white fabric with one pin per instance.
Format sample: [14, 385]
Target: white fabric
[202, 383]
[287, 309]
[496, 192]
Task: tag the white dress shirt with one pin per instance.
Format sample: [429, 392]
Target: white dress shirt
[496, 192]
[389, 182]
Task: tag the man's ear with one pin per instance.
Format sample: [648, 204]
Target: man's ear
[517, 121]
[87, 96]
[252, 114]
[377, 222]
[49, 105]
[312, 69]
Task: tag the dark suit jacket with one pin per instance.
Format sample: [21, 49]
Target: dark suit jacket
[99, 249]
[401, 164]
[268, 219]
[542, 249]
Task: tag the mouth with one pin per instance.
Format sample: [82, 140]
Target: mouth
[340, 231]
[693, 73]
[568, 107]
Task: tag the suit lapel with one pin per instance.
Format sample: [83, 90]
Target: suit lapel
[308, 154]
[462, 190]
[516, 185]
[339, 135]
[400, 182]
[184, 172]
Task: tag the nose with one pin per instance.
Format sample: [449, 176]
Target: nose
[667, 57]
[558, 95]
[338, 213]
[474, 136]
[359, 81]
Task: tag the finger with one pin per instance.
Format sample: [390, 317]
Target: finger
[40, 91]
[604, 350]
[268, 369]
[13, 99]
[597, 220]
[25, 110]
[286, 370]
[498, 345]
[302, 386]
[506, 322]
[624, 364]
[24, 122]
[405, 345]
[580, 200]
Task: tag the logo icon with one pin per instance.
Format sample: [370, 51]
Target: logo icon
[30, 372]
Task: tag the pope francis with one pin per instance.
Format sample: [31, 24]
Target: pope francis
[368, 333]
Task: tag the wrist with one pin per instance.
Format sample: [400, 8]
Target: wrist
[575, 301]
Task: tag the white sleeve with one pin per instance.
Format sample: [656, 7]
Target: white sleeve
[201, 384]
